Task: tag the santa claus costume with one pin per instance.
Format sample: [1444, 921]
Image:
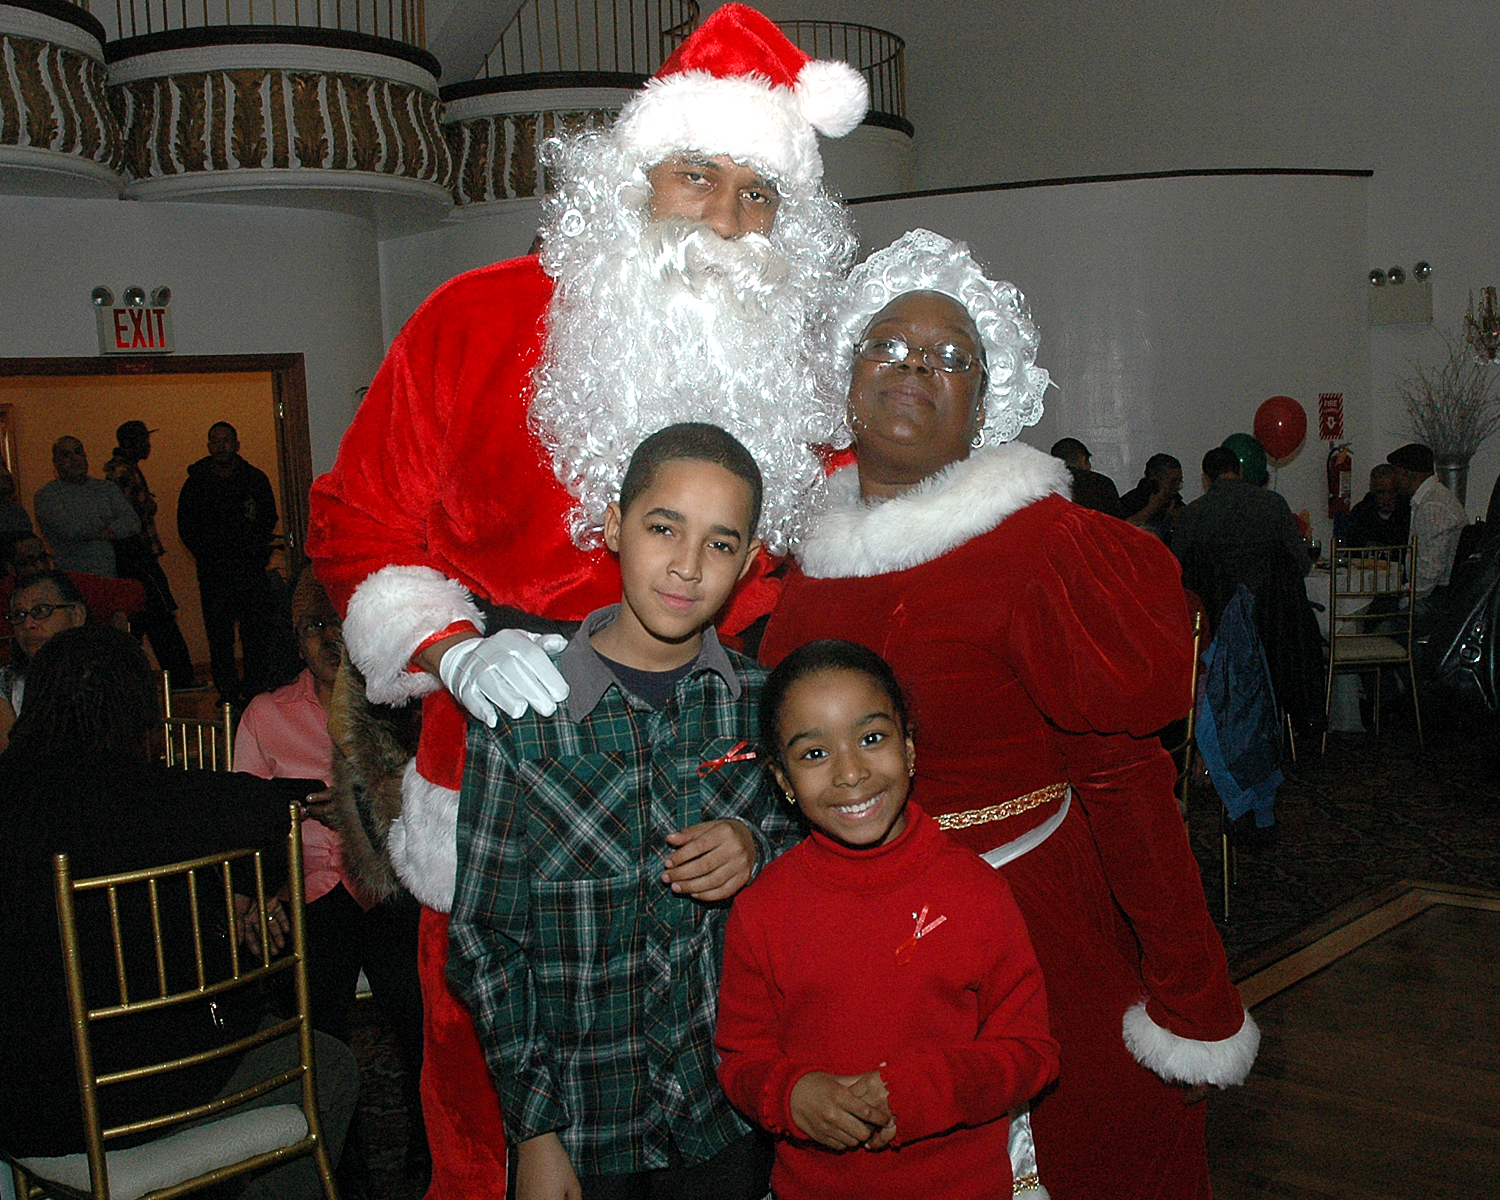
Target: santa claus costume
[480, 461]
[1041, 645]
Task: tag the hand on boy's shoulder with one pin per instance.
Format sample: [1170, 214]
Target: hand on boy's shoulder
[712, 861]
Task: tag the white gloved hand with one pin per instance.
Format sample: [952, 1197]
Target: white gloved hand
[508, 670]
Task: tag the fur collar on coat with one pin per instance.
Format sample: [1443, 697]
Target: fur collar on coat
[853, 538]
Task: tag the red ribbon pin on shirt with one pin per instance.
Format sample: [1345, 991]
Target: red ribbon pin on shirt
[904, 950]
[740, 752]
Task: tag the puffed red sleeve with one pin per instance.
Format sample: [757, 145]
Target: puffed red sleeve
[756, 1076]
[368, 524]
[1012, 1057]
[1106, 602]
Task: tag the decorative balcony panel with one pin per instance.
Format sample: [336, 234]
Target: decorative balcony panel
[304, 118]
[58, 134]
[495, 153]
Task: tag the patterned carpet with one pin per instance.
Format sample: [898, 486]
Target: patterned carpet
[1369, 812]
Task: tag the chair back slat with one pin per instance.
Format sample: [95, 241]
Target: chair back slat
[156, 944]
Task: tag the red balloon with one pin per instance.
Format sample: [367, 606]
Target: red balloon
[1280, 426]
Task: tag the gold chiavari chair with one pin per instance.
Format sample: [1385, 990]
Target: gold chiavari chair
[197, 743]
[205, 1143]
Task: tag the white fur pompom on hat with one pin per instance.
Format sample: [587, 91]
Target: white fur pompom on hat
[739, 87]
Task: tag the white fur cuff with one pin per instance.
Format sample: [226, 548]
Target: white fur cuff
[392, 613]
[1185, 1060]
[424, 840]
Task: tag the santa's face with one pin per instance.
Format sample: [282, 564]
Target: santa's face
[730, 198]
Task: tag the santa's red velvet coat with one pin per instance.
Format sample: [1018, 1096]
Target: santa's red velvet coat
[440, 490]
[821, 974]
[1041, 642]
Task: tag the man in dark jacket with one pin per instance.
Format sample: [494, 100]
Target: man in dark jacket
[1383, 517]
[226, 514]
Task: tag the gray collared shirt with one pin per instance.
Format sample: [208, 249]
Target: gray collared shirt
[589, 675]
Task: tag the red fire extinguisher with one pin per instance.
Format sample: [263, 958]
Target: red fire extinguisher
[1340, 472]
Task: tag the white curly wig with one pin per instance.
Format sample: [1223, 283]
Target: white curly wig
[923, 261]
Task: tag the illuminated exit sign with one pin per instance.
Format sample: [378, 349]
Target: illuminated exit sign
[134, 330]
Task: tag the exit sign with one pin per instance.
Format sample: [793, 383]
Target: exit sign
[134, 330]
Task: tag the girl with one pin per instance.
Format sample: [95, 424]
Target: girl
[881, 1009]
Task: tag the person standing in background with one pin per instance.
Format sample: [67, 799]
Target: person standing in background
[82, 518]
[1090, 488]
[13, 515]
[136, 557]
[226, 513]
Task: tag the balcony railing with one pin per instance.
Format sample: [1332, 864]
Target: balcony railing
[878, 55]
[590, 38]
[402, 21]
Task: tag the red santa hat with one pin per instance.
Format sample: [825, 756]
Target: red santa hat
[738, 87]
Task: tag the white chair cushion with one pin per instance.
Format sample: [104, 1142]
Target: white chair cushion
[181, 1155]
[1368, 649]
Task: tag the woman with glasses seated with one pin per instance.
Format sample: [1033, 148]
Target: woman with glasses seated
[1041, 644]
[41, 607]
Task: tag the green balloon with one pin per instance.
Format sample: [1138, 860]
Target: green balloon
[1252, 456]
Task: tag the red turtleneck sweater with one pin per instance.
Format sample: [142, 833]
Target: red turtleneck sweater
[813, 981]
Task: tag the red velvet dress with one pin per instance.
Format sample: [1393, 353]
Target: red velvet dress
[1040, 643]
[440, 490]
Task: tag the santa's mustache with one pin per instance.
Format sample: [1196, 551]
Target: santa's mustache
[747, 268]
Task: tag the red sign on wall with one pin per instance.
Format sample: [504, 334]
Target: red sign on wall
[1331, 416]
[134, 330]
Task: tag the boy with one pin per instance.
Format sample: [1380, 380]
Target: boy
[591, 969]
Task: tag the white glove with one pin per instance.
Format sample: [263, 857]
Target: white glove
[508, 670]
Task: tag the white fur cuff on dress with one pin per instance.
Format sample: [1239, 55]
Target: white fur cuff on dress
[392, 613]
[424, 840]
[1186, 1060]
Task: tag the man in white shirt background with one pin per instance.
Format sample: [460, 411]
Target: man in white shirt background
[1437, 520]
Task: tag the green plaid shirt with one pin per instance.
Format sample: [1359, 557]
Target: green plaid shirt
[593, 988]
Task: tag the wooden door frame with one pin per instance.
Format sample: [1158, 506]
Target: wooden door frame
[288, 374]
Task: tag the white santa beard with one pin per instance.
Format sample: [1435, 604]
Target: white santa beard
[680, 325]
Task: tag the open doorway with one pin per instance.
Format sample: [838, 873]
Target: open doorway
[263, 395]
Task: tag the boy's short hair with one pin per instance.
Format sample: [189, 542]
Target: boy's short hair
[692, 441]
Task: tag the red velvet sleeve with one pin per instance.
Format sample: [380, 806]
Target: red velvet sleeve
[1099, 632]
[1107, 600]
[371, 510]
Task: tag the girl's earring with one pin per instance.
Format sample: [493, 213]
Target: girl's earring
[978, 441]
[911, 771]
[790, 798]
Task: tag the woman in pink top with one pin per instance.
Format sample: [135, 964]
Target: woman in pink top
[284, 734]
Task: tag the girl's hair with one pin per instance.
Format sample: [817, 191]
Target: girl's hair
[89, 693]
[830, 654]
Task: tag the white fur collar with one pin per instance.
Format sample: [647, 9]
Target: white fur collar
[854, 539]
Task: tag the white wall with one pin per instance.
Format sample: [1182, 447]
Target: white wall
[412, 267]
[1169, 310]
[244, 280]
[1059, 88]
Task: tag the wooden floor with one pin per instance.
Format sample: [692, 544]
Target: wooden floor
[1379, 1070]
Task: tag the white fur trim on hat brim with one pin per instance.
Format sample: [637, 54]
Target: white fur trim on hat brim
[1186, 1060]
[833, 96]
[393, 612]
[854, 539]
[423, 841]
[745, 118]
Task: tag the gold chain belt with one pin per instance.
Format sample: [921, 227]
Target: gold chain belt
[999, 812]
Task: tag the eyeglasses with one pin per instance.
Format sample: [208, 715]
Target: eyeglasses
[37, 612]
[943, 357]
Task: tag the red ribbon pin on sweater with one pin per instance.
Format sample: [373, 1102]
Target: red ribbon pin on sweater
[904, 950]
[740, 752]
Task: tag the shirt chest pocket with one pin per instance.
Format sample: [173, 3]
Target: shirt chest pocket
[732, 779]
[583, 815]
